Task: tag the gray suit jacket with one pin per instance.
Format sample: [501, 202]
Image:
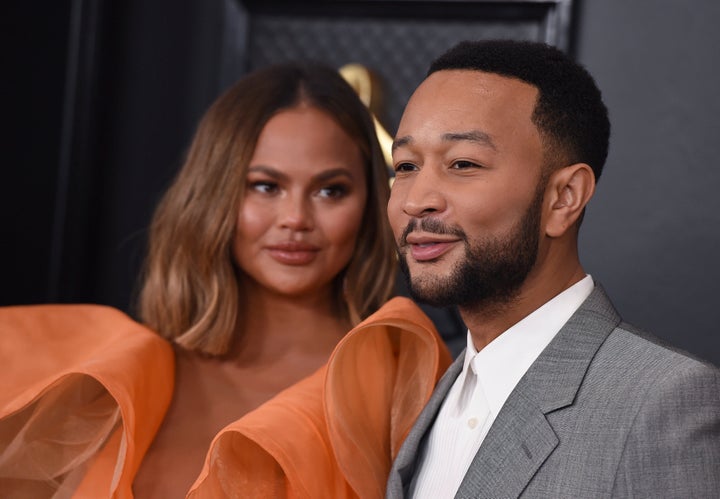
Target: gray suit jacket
[605, 411]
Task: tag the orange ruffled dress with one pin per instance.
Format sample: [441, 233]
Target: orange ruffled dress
[85, 389]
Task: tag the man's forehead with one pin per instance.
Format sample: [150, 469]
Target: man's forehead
[474, 82]
[456, 98]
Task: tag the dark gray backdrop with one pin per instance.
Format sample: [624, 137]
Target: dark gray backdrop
[75, 200]
[652, 234]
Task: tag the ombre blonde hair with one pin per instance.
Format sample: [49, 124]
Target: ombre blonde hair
[192, 292]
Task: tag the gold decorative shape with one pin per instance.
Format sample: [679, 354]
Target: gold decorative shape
[365, 84]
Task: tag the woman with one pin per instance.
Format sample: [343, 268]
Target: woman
[269, 246]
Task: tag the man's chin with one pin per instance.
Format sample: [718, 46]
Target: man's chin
[433, 292]
[428, 283]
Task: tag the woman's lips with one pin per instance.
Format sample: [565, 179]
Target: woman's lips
[293, 253]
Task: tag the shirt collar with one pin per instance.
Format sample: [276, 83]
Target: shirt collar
[500, 365]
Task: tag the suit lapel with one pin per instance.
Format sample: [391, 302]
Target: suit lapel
[406, 460]
[511, 453]
[521, 438]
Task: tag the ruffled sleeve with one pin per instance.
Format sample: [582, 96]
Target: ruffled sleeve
[335, 433]
[83, 392]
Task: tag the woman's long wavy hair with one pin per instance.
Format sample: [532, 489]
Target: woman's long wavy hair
[192, 292]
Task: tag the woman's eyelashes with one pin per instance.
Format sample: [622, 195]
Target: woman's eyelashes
[264, 186]
[271, 188]
[334, 191]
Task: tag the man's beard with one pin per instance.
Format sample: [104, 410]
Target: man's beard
[493, 270]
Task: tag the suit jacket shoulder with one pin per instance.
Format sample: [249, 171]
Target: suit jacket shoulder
[605, 411]
[663, 409]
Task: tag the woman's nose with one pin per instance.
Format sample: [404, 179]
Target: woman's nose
[296, 213]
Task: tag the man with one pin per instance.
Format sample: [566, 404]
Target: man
[496, 157]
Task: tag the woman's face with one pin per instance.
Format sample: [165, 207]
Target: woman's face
[303, 205]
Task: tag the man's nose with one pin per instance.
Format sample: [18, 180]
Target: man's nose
[424, 195]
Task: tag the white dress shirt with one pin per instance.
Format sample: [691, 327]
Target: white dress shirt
[479, 392]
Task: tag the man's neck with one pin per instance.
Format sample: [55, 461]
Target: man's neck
[489, 320]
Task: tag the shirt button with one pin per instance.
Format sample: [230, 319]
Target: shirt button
[472, 423]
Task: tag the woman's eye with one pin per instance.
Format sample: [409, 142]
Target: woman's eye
[404, 167]
[264, 187]
[333, 191]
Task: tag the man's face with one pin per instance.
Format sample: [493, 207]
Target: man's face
[466, 203]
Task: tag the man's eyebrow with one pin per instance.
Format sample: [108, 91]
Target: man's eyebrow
[401, 141]
[472, 136]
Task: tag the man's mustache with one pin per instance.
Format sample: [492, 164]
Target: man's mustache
[430, 225]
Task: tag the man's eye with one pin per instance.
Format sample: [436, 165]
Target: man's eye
[333, 191]
[405, 167]
[462, 164]
[264, 187]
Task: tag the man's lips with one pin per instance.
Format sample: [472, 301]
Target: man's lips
[293, 253]
[425, 247]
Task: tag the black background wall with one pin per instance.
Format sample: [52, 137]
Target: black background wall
[104, 97]
[653, 232]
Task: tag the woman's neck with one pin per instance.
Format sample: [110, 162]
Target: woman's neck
[276, 327]
[283, 341]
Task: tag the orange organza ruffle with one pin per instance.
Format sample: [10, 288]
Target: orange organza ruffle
[89, 388]
[335, 433]
[85, 388]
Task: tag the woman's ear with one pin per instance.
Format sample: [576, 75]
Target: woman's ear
[568, 191]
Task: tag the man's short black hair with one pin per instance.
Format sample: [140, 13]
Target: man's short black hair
[569, 114]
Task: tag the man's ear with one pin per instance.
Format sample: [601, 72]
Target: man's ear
[568, 191]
